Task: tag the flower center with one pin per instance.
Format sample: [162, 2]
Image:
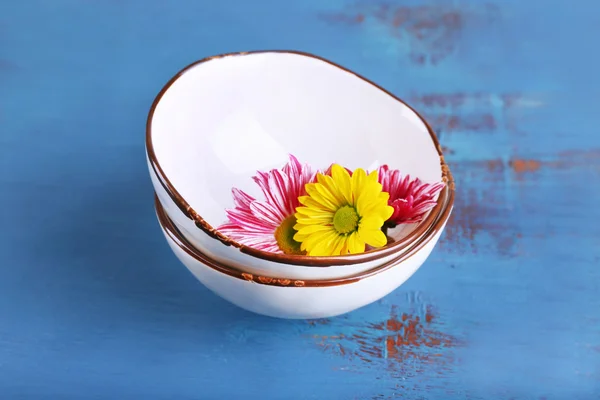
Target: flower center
[284, 235]
[345, 220]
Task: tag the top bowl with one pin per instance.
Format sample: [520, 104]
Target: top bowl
[221, 119]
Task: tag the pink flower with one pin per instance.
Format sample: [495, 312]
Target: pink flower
[411, 199]
[268, 225]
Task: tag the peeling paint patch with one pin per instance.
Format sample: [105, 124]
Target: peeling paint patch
[469, 112]
[458, 100]
[463, 123]
[521, 166]
[402, 344]
[431, 33]
[343, 18]
[315, 322]
[481, 207]
[565, 160]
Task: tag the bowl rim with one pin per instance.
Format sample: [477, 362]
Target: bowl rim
[300, 260]
[169, 229]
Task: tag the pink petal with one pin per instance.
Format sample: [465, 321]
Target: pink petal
[253, 222]
[411, 199]
[278, 190]
[241, 199]
[266, 212]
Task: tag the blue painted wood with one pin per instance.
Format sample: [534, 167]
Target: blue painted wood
[94, 305]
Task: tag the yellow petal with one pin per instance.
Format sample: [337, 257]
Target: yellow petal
[304, 232]
[311, 241]
[328, 184]
[387, 213]
[336, 245]
[384, 196]
[359, 178]
[342, 181]
[372, 222]
[344, 249]
[373, 237]
[316, 220]
[323, 246]
[311, 212]
[355, 244]
[312, 203]
[367, 199]
[371, 201]
[332, 194]
[373, 176]
[306, 221]
[302, 199]
[322, 195]
[383, 199]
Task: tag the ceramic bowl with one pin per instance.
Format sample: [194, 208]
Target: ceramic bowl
[301, 299]
[221, 119]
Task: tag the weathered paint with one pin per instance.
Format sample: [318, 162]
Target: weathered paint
[394, 340]
[430, 32]
[467, 112]
[94, 305]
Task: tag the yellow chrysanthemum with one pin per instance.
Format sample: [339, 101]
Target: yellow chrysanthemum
[341, 214]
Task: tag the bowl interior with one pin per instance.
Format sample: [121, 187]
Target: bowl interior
[223, 119]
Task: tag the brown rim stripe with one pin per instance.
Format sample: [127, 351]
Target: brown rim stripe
[175, 235]
[189, 212]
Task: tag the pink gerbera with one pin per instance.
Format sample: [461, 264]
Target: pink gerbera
[268, 225]
[411, 199]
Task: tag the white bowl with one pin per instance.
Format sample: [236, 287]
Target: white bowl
[221, 119]
[300, 299]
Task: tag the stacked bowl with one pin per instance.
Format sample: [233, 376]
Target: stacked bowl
[221, 119]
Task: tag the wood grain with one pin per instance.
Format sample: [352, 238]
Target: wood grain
[94, 305]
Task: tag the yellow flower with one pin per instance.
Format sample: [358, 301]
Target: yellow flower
[342, 213]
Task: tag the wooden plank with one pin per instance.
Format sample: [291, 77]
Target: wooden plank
[94, 305]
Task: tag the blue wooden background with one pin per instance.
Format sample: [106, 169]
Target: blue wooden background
[94, 305]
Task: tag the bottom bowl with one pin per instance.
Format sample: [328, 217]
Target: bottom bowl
[299, 299]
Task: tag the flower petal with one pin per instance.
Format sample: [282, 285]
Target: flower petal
[314, 204]
[343, 181]
[355, 243]
[359, 179]
[305, 221]
[254, 222]
[367, 199]
[327, 188]
[338, 245]
[411, 198]
[304, 231]
[328, 184]
[325, 245]
[373, 237]
[241, 199]
[315, 239]
[322, 196]
[311, 212]
[371, 222]
[267, 212]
